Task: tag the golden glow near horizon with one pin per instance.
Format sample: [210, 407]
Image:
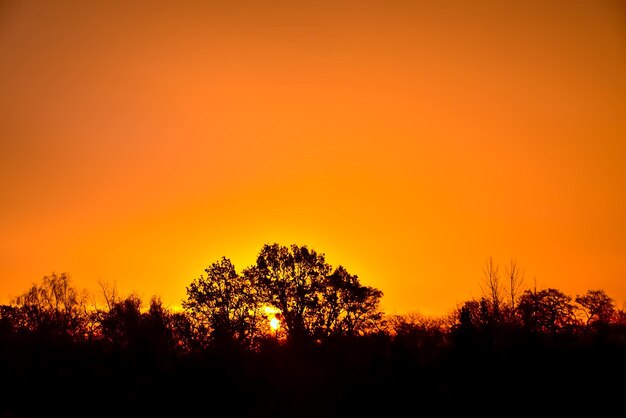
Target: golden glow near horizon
[407, 141]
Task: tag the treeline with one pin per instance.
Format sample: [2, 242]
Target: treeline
[294, 336]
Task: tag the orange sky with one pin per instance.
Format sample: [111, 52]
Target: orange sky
[408, 142]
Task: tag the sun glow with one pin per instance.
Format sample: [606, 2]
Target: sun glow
[274, 323]
[272, 316]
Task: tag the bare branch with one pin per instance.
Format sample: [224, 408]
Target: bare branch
[515, 279]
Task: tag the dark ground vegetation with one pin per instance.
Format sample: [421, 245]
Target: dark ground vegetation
[335, 354]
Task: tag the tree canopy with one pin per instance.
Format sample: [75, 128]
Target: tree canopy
[314, 300]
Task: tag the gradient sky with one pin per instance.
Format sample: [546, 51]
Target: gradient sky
[407, 141]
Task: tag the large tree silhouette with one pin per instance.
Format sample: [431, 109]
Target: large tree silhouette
[291, 279]
[314, 301]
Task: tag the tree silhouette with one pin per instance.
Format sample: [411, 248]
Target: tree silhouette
[290, 279]
[515, 282]
[315, 302]
[108, 291]
[347, 307]
[54, 306]
[121, 324]
[224, 305]
[548, 310]
[492, 287]
[157, 327]
[597, 306]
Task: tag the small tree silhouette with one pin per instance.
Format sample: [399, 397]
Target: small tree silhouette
[224, 305]
[492, 287]
[54, 306]
[348, 307]
[547, 311]
[515, 283]
[597, 306]
[121, 324]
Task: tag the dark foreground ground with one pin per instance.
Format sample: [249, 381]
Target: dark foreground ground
[365, 377]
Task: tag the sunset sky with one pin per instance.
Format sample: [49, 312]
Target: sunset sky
[408, 141]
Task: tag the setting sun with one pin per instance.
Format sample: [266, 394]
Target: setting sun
[272, 314]
[274, 323]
